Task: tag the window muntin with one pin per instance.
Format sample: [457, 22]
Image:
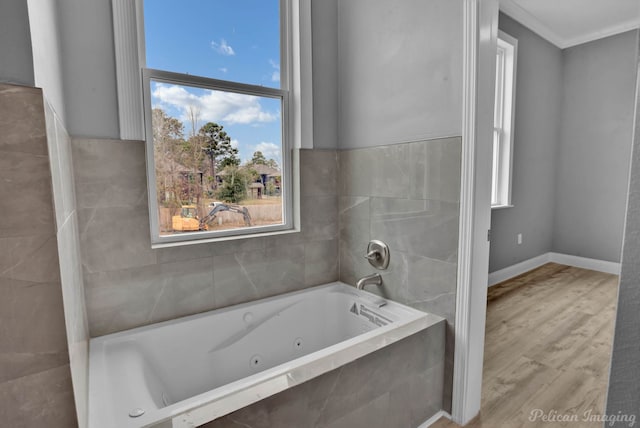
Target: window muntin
[255, 121]
[506, 57]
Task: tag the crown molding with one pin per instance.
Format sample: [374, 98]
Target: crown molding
[601, 34]
[513, 10]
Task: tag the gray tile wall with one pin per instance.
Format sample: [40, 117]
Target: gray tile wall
[399, 386]
[411, 202]
[64, 199]
[406, 195]
[35, 375]
[128, 284]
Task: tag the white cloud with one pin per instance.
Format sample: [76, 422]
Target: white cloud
[223, 69]
[250, 114]
[214, 106]
[222, 48]
[275, 76]
[235, 143]
[269, 150]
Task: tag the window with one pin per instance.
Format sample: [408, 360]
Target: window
[506, 60]
[217, 94]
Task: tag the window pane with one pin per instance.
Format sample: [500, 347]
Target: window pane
[495, 170]
[218, 159]
[234, 40]
[499, 93]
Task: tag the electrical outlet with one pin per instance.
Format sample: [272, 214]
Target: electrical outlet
[519, 238]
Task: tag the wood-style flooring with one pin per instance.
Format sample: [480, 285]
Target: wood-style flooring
[548, 344]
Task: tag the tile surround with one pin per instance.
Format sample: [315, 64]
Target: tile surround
[322, 262]
[21, 121]
[43, 399]
[32, 212]
[68, 248]
[378, 390]
[31, 328]
[39, 353]
[422, 232]
[119, 299]
[128, 284]
[406, 195]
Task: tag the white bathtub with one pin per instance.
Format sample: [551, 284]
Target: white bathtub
[189, 371]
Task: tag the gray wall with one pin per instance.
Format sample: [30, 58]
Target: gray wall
[593, 160]
[89, 69]
[536, 139]
[400, 81]
[624, 380]
[15, 44]
[35, 376]
[400, 71]
[89, 73]
[47, 59]
[572, 142]
[31, 55]
[324, 15]
[47, 64]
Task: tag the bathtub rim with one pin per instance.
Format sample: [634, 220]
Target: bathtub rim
[217, 402]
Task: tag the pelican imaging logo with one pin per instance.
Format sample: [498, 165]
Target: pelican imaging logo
[554, 416]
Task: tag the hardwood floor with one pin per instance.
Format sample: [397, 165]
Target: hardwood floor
[548, 345]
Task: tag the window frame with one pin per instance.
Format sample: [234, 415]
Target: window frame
[162, 76]
[133, 85]
[504, 120]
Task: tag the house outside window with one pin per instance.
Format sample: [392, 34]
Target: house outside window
[504, 112]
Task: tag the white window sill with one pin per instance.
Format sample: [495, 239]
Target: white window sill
[499, 207]
[223, 238]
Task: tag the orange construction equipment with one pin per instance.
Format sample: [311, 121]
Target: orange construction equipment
[187, 221]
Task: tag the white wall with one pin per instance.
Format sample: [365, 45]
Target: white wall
[400, 71]
[46, 53]
[16, 63]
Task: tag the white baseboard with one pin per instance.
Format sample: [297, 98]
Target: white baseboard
[585, 263]
[564, 259]
[433, 419]
[517, 269]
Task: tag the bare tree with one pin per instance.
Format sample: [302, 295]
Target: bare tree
[194, 153]
[168, 138]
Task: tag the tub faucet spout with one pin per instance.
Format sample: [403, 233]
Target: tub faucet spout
[374, 279]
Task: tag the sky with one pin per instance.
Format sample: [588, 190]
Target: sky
[235, 40]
